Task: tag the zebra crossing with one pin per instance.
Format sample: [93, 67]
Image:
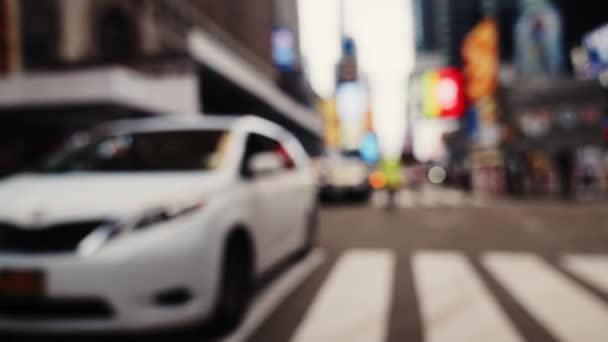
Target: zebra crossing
[455, 303]
[563, 307]
[428, 197]
[337, 315]
[592, 269]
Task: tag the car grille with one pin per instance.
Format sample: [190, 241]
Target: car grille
[54, 309]
[59, 238]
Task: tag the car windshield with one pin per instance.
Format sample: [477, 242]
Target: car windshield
[140, 152]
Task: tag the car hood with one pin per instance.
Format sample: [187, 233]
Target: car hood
[46, 199]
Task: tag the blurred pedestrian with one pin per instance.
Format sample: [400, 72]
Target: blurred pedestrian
[392, 170]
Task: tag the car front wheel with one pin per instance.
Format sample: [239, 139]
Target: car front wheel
[312, 231]
[236, 287]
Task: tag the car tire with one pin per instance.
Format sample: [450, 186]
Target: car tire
[236, 287]
[312, 230]
[364, 196]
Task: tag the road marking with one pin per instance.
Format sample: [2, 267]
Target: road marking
[456, 306]
[379, 199]
[590, 268]
[353, 303]
[270, 299]
[406, 199]
[567, 311]
[427, 197]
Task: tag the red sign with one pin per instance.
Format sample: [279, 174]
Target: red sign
[450, 93]
[443, 93]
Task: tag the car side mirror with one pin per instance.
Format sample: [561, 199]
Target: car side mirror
[264, 164]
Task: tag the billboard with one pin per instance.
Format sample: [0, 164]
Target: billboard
[443, 93]
[331, 124]
[352, 108]
[480, 57]
[283, 48]
[596, 46]
[538, 39]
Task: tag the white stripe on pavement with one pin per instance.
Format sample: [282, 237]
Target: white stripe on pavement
[353, 303]
[265, 304]
[591, 268]
[406, 199]
[456, 306]
[567, 311]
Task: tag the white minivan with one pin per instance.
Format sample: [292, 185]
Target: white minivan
[152, 223]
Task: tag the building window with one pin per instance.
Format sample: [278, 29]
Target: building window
[39, 33]
[117, 35]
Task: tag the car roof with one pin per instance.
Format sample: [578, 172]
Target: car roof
[191, 122]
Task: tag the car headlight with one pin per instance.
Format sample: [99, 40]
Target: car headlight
[161, 215]
[102, 235]
[98, 238]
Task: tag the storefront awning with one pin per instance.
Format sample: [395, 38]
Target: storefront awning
[212, 54]
[112, 85]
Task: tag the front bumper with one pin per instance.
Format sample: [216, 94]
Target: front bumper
[126, 277]
[334, 191]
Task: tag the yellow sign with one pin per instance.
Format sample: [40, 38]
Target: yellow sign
[331, 123]
[480, 55]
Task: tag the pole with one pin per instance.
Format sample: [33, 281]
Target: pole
[342, 9]
[4, 22]
[9, 37]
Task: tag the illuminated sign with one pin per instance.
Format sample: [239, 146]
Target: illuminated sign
[283, 48]
[480, 73]
[370, 151]
[480, 58]
[443, 93]
[596, 44]
[352, 107]
[538, 39]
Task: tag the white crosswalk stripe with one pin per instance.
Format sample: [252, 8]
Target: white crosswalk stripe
[428, 197]
[270, 299]
[591, 268]
[456, 307]
[353, 304]
[355, 300]
[566, 310]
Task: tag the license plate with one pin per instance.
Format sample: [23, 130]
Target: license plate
[21, 283]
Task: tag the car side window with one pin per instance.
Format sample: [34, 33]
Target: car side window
[288, 162]
[258, 144]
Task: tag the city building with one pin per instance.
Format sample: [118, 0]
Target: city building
[544, 111]
[69, 64]
[71, 33]
[9, 56]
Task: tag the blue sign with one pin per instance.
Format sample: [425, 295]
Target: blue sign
[538, 39]
[370, 151]
[283, 48]
[596, 44]
[471, 123]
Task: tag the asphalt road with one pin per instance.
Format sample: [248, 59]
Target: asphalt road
[443, 267]
[461, 269]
